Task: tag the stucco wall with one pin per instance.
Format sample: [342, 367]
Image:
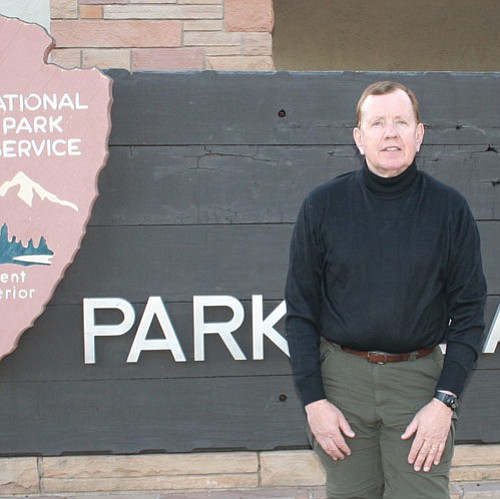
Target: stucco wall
[35, 11]
[449, 35]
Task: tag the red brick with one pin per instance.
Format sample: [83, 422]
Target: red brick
[242, 15]
[106, 58]
[64, 9]
[167, 59]
[163, 11]
[103, 2]
[116, 34]
[90, 12]
[240, 63]
[257, 44]
[66, 58]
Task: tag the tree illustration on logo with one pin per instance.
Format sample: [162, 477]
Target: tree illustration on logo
[55, 126]
[14, 252]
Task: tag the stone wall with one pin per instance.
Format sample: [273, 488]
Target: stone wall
[140, 35]
[475, 472]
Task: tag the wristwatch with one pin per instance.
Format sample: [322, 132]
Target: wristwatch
[450, 400]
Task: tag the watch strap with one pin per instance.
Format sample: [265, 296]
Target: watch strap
[449, 400]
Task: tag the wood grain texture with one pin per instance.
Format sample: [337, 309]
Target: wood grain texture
[230, 108]
[182, 260]
[202, 187]
[132, 416]
[245, 184]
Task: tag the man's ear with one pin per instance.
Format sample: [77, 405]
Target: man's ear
[358, 138]
[420, 135]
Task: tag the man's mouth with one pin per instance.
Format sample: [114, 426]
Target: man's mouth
[391, 149]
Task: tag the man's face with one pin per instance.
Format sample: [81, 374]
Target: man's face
[388, 135]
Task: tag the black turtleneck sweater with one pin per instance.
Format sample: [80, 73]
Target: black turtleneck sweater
[390, 264]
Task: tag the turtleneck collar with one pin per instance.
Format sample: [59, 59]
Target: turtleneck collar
[390, 185]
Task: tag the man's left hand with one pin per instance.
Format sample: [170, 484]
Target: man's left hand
[431, 426]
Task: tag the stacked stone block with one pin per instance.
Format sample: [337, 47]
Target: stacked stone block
[144, 35]
[475, 473]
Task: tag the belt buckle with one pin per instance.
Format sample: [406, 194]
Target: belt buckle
[376, 353]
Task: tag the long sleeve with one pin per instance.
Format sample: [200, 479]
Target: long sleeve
[303, 297]
[466, 292]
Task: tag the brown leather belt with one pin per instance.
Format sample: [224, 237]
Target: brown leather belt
[376, 357]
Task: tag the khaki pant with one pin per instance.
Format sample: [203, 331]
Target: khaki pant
[379, 401]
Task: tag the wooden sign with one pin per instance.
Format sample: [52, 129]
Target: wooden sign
[165, 334]
[55, 124]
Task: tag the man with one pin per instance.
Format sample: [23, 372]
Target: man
[384, 266]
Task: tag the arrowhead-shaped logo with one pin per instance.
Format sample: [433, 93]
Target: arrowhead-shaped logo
[54, 125]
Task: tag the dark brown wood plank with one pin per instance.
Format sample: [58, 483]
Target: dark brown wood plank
[230, 108]
[133, 416]
[53, 349]
[255, 184]
[176, 262]
[478, 416]
[179, 415]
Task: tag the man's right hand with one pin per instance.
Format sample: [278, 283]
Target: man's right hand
[328, 425]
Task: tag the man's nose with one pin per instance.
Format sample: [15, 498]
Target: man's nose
[390, 130]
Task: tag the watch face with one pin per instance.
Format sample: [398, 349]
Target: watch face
[450, 400]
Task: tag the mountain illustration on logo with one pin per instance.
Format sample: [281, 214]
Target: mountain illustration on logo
[28, 188]
[14, 252]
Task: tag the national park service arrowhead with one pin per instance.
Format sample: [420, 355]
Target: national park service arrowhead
[55, 125]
